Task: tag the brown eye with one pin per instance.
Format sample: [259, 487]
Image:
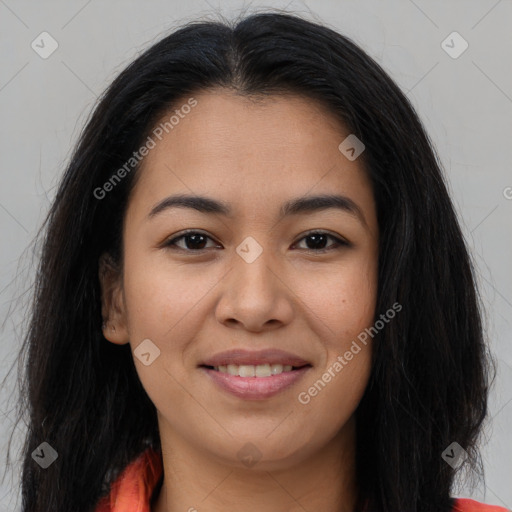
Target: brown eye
[193, 241]
[316, 241]
[196, 241]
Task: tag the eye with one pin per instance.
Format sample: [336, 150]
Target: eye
[194, 241]
[317, 241]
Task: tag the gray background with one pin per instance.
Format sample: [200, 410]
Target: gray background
[465, 104]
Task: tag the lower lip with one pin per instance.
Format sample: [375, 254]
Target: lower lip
[256, 388]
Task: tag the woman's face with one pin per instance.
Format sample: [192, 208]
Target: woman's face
[254, 279]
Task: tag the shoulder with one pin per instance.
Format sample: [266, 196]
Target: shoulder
[469, 505]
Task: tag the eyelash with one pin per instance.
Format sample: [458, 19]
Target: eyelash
[339, 243]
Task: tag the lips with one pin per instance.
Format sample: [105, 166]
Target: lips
[255, 388]
[286, 370]
[246, 357]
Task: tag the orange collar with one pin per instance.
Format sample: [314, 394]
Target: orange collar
[132, 490]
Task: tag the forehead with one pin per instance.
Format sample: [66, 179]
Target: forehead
[250, 151]
[233, 126]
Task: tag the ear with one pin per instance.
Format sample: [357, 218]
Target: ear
[113, 308]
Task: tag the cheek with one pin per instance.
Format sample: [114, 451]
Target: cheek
[344, 306]
[161, 301]
[343, 298]
[159, 296]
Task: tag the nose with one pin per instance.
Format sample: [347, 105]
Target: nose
[255, 295]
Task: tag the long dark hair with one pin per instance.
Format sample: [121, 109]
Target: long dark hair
[431, 368]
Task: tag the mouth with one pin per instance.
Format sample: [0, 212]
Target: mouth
[256, 371]
[254, 382]
[262, 361]
[254, 375]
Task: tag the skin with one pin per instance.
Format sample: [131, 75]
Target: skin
[191, 305]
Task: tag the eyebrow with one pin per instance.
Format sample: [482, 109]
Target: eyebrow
[300, 205]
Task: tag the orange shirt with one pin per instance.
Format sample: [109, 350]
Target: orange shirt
[132, 490]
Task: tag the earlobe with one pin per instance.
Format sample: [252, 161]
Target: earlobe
[112, 304]
[113, 334]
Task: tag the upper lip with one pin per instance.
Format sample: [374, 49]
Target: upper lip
[255, 357]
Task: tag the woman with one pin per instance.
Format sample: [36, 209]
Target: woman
[254, 292]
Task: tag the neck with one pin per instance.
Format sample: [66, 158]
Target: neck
[325, 480]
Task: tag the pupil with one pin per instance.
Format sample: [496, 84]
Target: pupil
[195, 239]
[317, 244]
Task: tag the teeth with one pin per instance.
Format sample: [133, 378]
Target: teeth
[249, 370]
